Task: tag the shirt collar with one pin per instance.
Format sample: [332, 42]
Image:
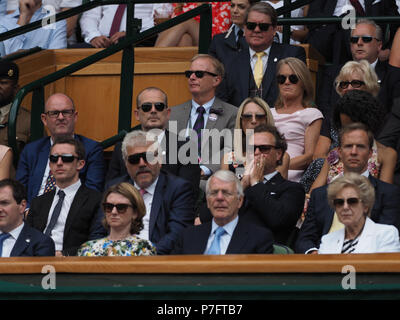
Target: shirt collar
[269, 176]
[252, 52]
[206, 105]
[71, 189]
[150, 189]
[365, 173]
[16, 232]
[373, 64]
[229, 227]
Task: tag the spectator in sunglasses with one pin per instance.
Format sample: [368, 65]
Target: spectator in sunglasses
[124, 210]
[295, 115]
[352, 197]
[356, 142]
[70, 213]
[252, 71]
[153, 113]
[33, 170]
[252, 113]
[169, 199]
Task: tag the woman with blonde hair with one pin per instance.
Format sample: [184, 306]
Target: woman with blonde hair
[295, 115]
[124, 210]
[252, 112]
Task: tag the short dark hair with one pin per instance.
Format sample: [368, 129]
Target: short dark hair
[265, 8]
[79, 148]
[280, 141]
[18, 189]
[359, 106]
[356, 126]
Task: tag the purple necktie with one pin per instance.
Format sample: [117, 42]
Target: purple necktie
[116, 24]
[198, 125]
[359, 9]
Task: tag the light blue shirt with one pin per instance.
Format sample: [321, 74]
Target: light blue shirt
[51, 36]
[3, 7]
[225, 238]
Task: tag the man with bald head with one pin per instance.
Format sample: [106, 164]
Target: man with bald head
[59, 118]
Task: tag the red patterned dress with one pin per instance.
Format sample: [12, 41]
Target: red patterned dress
[221, 15]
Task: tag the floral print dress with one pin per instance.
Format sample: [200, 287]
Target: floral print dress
[131, 246]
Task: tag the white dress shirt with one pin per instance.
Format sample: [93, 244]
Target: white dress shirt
[342, 4]
[97, 21]
[225, 238]
[148, 201]
[9, 243]
[58, 231]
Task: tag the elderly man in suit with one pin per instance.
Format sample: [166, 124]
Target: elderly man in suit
[33, 169]
[354, 150]
[153, 114]
[205, 118]
[70, 212]
[169, 199]
[252, 71]
[17, 238]
[227, 233]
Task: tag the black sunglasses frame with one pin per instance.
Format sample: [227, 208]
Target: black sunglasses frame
[350, 201]
[67, 158]
[264, 148]
[147, 106]
[281, 79]
[198, 73]
[253, 25]
[249, 117]
[354, 83]
[365, 39]
[121, 207]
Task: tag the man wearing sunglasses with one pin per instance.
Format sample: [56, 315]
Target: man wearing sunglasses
[252, 71]
[153, 113]
[59, 117]
[354, 150]
[69, 214]
[169, 199]
[9, 74]
[205, 111]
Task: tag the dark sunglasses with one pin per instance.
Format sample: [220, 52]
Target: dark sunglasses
[282, 79]
[263, 26]
[135, 158]
[147, 106]
[249, 116]
[64, 157]
[121, 207]
[354, 84]
[264, 148]
[365, 39]
[198, 73]
[350, 202]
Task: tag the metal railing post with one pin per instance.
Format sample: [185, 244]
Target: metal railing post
[205, 30]
[286, 28]
[36, 110]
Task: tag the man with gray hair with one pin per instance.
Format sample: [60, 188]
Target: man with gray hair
[169, 199]
[226, 233]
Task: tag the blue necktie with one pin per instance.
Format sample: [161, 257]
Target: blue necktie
[3, 237]
[215, 246]
[56, 213]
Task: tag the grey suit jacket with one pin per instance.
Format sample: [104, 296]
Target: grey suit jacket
[215, 142]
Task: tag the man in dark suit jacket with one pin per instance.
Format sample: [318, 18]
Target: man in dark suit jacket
[169, 200]
[69, 214]
[225, 46]
[270, 200]
[17, 239]
[239, 82]
[33, 170]
[227, 233]
[389, 76]
[355, 149]
[153, 114]
[331, 39]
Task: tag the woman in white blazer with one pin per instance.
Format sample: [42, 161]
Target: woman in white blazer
[352, 196]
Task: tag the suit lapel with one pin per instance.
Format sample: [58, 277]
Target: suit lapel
[244, 67]
[274, 56]
[80, 198]
[230, 38]
[199, 244]
[239, 239]
[44, 210]
[330, 6]
[184, 116]
[157, 202]
[41, 166]
[22, 243]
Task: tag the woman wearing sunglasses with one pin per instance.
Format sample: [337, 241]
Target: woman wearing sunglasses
[352, 197]
[124, 210]
[251, 113]
[294, 115]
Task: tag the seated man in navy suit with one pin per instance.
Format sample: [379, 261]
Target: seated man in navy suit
[252, 71]
[169, 199]
[60, 117]
[227, 233]
[17, 238]
[355, 148]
